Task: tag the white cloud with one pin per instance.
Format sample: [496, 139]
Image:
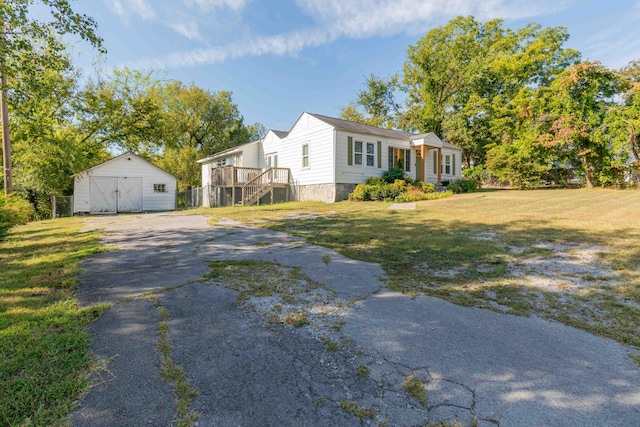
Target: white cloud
[365, 18]
[347, 18]
[187, 28]
[207, 5]
[279, 45]
[128, 8]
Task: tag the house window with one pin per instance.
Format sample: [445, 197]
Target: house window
[400, 158]
[357, 151]
[371, 152]
[159, 188]
[364, 153]
[447, 164]
[305, 156]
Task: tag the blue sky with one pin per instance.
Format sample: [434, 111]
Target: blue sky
[283, 57]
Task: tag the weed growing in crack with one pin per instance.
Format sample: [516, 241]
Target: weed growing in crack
[173, 373]
[320, 401]
[635, 358]
[363, 371]
[326, 258]
[297, 320]
[414, 388]
[355, 409]
[329, 344]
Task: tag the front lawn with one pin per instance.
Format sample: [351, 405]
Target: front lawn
[568, 255]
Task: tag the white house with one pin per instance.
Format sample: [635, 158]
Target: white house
[326, 158]
[126, 183]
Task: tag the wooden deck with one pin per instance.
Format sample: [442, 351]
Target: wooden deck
[247, 186]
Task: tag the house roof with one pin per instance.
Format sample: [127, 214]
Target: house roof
[280, 133]
[228, 151]
[355, 127]
[123, 155]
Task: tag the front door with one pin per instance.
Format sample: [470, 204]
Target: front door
[419, 165]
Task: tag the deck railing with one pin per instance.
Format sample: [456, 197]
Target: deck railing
[263, 183]
[231, 176]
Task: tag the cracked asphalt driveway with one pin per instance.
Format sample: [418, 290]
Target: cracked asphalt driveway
[477, 367]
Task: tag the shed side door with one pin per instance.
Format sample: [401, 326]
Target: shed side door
[102, 195]
[129, 194]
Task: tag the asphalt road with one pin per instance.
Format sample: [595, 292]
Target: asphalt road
[479, 367]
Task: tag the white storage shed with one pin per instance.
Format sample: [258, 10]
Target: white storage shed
[126, 183]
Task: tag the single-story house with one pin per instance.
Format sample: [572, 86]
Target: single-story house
[323, 158]
[126, 183]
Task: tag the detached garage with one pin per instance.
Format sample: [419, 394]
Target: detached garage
[127, 183]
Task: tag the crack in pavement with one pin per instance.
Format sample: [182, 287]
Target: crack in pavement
[251, 372]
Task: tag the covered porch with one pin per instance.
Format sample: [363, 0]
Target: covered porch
[423, 145]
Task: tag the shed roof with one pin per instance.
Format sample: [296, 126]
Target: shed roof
[117, 158]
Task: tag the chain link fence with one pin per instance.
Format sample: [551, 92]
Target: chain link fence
[190, 199]
[61, 206]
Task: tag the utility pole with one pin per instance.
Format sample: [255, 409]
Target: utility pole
[6, 138]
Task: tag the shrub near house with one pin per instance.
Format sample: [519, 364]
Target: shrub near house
[394, 186]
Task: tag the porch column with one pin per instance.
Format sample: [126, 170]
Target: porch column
[422, 162]
[439, 165]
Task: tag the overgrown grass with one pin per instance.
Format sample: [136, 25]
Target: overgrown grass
[43, 346]
[460, 248]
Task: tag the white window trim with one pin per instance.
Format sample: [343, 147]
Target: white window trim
[305, 157]
[364, 154]
[159, 188]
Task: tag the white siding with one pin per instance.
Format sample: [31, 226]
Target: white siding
[129, 166]
[358, 174]
[319, 136]
[456, 166]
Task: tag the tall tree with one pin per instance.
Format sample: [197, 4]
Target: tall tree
[460, 78]
[579, 102]
[48, 145]
[198, 123]
[125, 111]
[29, 42]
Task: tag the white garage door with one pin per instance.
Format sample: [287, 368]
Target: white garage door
[129, 194]
[103, 195]
[112, 195]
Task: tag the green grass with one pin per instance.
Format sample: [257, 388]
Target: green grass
[414, 388]
[43, 346]
[174, 374]
[359, 411]
[458, 248]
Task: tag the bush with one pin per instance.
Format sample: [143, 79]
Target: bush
[463, 186]
[392, 175]
[375, 180]
[14, 211]
[415, 196]
[426, 187]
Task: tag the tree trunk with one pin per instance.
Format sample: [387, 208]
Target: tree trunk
[6, 138]
[588, 171]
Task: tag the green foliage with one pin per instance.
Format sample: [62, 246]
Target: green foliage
[400, 191]
[426, 187]
[477, 173]
[393, 174]
[578, 102]
[48, 145]
[375, 180]
[463, 186]
[14, 211]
